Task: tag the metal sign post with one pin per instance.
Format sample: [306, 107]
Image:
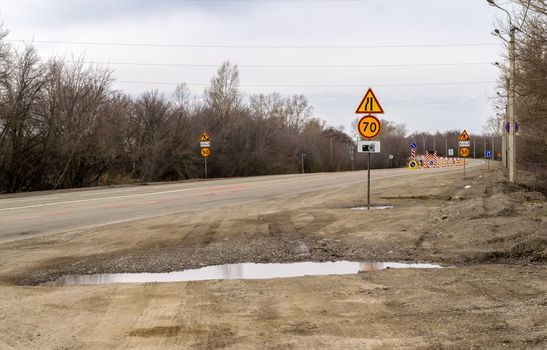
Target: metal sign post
[205, 144]
[368, 184]
[205, 168]
[369, 127]
[368, 147]
[465, 144]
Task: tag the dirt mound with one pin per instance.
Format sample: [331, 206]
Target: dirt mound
[532, 250]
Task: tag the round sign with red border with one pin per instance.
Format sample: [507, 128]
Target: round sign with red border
[369, 126]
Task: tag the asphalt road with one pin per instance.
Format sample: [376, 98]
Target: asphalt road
[52, 212]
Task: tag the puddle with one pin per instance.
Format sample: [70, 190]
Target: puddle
[239, 271]
[378, 207]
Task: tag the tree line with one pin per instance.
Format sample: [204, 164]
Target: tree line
[63, 125]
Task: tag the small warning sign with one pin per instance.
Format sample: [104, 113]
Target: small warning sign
[370, 104]
[204, 137]
[465, 136]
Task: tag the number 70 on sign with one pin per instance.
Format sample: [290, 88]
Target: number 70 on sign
[369, 126]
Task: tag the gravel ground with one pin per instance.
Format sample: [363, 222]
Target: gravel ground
[495, 297]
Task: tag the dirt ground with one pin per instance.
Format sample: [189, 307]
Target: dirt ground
[493, 235]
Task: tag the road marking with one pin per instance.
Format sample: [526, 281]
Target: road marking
[108, 198]
[218, 187]
[26, 199]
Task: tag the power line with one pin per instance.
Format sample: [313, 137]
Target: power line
[287, 66]
[256, 46]
[316, 86]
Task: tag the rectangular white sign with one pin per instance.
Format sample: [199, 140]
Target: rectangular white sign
[465, 143]
[204, 144]
[450, 152]
[368, 147]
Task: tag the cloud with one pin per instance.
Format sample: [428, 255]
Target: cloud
[286, 23]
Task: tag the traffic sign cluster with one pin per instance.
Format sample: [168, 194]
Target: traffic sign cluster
[465, 143]
[369, 127]
[205, 144]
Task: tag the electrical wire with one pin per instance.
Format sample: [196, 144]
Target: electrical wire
[284, 66]
[248, 46]
[314, 86]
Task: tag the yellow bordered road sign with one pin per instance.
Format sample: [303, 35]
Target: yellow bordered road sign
[369, 126]
[464, 136]
[205, 152]
[464, 152]
[204, 137]
[413, 164]
[370, 104]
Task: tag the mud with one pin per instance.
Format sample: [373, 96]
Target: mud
[495, 233]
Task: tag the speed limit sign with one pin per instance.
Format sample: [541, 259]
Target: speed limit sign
[369, 126]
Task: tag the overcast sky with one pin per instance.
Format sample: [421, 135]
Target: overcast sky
[403, 50]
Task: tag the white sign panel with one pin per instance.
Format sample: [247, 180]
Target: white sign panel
[450, 152]
[368, 147]
[204, 144]
[465, 143]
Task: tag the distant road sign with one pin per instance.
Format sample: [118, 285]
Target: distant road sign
[413, 145]
[391, 156]
[488, 154]
[450, 152]
[369, 104]
[465, 143]
[204, 137]
[369, 127]
[204, 144]
[464, 152]
[413, 164]
[464, 136]
[205, 152]
[368, 147]
[508, 127]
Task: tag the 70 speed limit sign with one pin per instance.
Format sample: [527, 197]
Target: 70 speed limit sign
[369, 126]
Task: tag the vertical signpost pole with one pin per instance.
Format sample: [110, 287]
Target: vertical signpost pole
[368, 185]
[205, 168]
[204, 144]
[369, 127]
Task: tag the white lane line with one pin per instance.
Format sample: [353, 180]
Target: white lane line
[3, 201]
[107, 198]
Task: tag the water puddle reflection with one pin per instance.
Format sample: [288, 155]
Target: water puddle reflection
[239, 271]
[378, 207]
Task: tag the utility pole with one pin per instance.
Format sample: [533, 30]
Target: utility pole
[511, 147]
[512, 142]
[494, 146]
[446, 146]
[351, 152]
[503, 131]
[331, 149]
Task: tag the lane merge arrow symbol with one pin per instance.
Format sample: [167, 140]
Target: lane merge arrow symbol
[370, 104]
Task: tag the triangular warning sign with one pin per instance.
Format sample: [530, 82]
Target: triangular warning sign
[204, 137]
[370, 104]
[465, 136]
